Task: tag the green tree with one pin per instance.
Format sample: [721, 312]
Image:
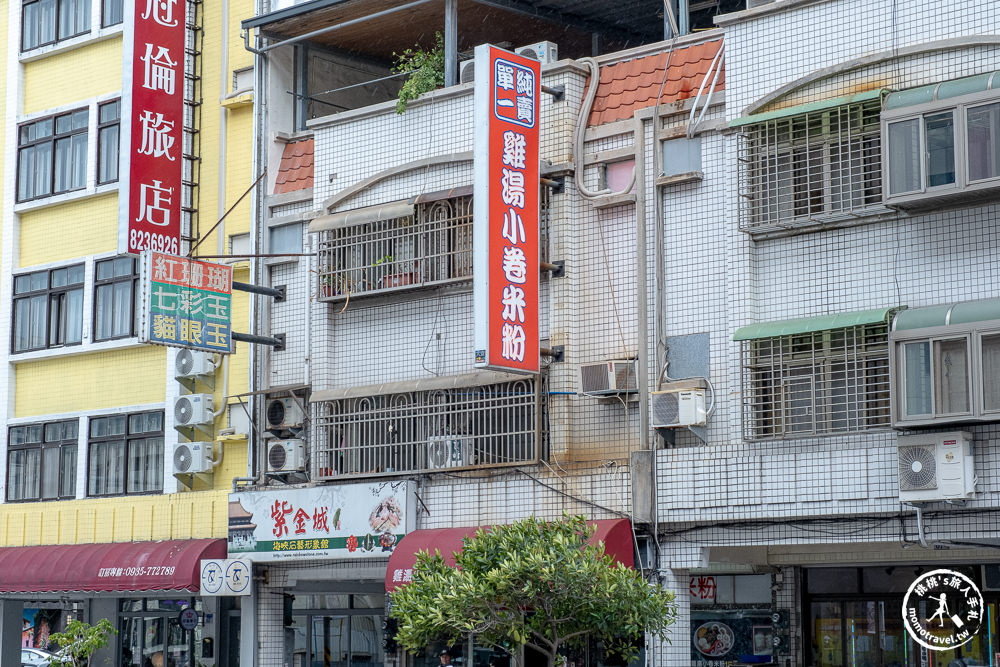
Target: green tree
[426, 70]
[532, 583]
[80, 641]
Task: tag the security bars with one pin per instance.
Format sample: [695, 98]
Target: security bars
[811, 169]
[479, 426]
[816, 383]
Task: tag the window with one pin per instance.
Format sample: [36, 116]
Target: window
[478, 426]
[943, 148]
[52, 155]
[947, 374]
[48, 308]
[115, 298]
[108, 120]
[126, 454]
[49, 21]
[285, 238]
[811, 168]
[430, 245]
[816, 383]
[111, 12]
[41, 461]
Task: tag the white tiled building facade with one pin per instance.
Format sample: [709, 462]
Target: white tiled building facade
[786, 503]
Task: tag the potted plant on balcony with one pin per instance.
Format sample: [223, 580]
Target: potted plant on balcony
[426, 69]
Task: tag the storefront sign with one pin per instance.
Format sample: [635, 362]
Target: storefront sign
[226, 576]
[702, 589]
[353, 521]
[187, 619]
[506, 211]
[153, 112]
[186, 303]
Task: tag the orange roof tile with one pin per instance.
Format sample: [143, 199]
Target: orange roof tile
[296, 170]
[629, 86]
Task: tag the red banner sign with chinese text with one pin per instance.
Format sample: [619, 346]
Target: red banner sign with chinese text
[156, 120]
[506, 210]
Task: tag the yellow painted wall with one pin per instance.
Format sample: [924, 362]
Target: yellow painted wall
[96, 520]
[115, 378]
[78, 74]
[70, 230]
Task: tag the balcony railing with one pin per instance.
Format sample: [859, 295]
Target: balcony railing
[442, 429]
[431, 247]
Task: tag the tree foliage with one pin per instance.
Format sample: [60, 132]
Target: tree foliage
[80, 641]
[426, 70]
[532, 583]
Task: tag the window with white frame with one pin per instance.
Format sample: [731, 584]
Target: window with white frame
[481, 426]
[810, 168]
[41, 461]
[125, 454]
[52, 155]
[46, 22]
[116, 297]
[942, 148]
[947, 374]
[112, 12]
[108, 122]
[48, 308]
[816, 382]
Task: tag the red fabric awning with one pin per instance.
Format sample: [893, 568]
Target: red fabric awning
[616, 534]
[125, 566]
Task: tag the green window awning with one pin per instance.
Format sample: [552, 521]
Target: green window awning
[942, 91]
[964, 312]
[810, 324]
[808, 108]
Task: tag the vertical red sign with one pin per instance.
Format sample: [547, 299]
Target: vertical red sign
[156, 127]
[506, 210]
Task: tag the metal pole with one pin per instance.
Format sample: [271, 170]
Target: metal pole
[683, 19]
[642, 261]
[450, 42]
[259, 289]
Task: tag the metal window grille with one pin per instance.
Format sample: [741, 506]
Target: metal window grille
[817, 167]
[431, 247]
[469, 427]
[816, 383]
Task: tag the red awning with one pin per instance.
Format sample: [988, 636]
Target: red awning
[616, 534]
[126, 566]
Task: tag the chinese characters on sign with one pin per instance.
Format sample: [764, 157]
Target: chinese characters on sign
[702, 588]
[186, 303]
[152, 160]
[506, 215]
[348, 521]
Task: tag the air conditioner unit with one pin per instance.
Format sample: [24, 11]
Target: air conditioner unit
[448, 451]
[286, 456]
[192, 457]
[467, 71]
[284, 413]
[609, 377]
[678, 404]
[193, 363]
[544, 52]
[194, 410]
[936, 466]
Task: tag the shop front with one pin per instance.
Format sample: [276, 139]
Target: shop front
[319, 555]
[144, 588]
[853, 618]
[733, 620]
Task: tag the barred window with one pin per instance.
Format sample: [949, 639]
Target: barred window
[478, 426]
[813, 168]
[429, 247]
[815, 383]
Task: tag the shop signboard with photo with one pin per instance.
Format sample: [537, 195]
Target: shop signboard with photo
[351, 521]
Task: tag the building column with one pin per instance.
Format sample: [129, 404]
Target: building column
[678, 652]
[11, 614]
